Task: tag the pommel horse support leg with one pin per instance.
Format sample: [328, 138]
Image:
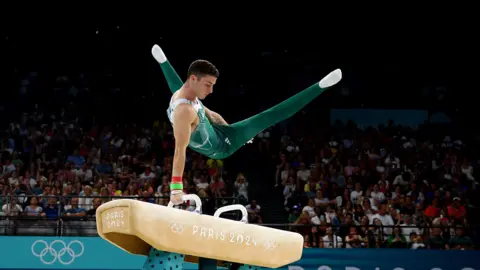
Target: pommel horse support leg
[166, 235]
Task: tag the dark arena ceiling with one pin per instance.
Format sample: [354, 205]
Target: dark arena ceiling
[382, 72]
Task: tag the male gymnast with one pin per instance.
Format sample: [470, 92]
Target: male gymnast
[205, 131]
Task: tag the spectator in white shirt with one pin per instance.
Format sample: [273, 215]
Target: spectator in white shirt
[8, 168]
[400, 180]
[84, 173]
[203, 184]
[330, 214]
[13, 180]
[409, 227]
[303, 173]
[310, 209]
[12, 208]
[289, 189]
[330, 240]
[147, 175]
[385, 218]
[253, 207]
[467, 169]
[376, 194]
[392, 161]
[85, 200]
[241, 185]
[283, 173]
[321, 201]
[356, 194]
[380, 167]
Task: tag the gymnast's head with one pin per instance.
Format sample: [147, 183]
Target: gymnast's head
[201, 77]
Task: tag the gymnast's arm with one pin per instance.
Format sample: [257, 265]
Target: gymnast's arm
[183, 118]
[215, 118]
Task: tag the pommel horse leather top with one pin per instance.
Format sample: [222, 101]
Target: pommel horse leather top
[136, 226]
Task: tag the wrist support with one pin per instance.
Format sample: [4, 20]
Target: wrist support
[177, 183]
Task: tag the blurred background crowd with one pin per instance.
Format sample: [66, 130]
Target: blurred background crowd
[76, 136]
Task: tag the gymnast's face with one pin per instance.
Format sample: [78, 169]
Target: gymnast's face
[203, 85]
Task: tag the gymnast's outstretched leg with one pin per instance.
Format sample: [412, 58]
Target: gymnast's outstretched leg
[173, 80]
[241, 132]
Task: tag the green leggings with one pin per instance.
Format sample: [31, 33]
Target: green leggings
[241, 132]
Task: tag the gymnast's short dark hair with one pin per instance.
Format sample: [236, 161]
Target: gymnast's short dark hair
[201, 68]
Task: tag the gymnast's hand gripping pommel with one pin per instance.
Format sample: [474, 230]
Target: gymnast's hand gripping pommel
[224, 140]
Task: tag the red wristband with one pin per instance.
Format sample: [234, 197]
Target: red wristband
[177, 179]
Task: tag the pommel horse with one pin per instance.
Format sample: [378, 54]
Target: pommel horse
[166, 235]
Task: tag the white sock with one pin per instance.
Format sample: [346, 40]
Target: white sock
[331, 79]
[158, 54]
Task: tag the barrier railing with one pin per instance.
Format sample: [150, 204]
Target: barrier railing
[8, 204]
[62, 215]
[63, 219]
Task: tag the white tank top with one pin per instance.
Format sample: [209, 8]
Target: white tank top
[201, 138]
[197, 105]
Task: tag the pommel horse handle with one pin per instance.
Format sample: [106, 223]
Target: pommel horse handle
[188, 197]
[233, 207]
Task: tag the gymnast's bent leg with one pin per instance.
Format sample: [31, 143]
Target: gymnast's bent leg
[241, 132]
[173, 80]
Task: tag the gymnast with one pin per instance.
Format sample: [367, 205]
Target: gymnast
[204, 130]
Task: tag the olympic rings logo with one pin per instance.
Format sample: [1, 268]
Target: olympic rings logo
[269, 245]
[176, 228]
[49, 255]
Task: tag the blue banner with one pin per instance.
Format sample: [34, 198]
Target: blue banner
[89, 253]
[386, 259]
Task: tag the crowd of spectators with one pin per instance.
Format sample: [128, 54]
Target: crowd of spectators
[384, 187]
[389, 186]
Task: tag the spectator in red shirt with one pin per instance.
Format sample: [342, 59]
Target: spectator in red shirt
[433, 210]
[456, 210]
